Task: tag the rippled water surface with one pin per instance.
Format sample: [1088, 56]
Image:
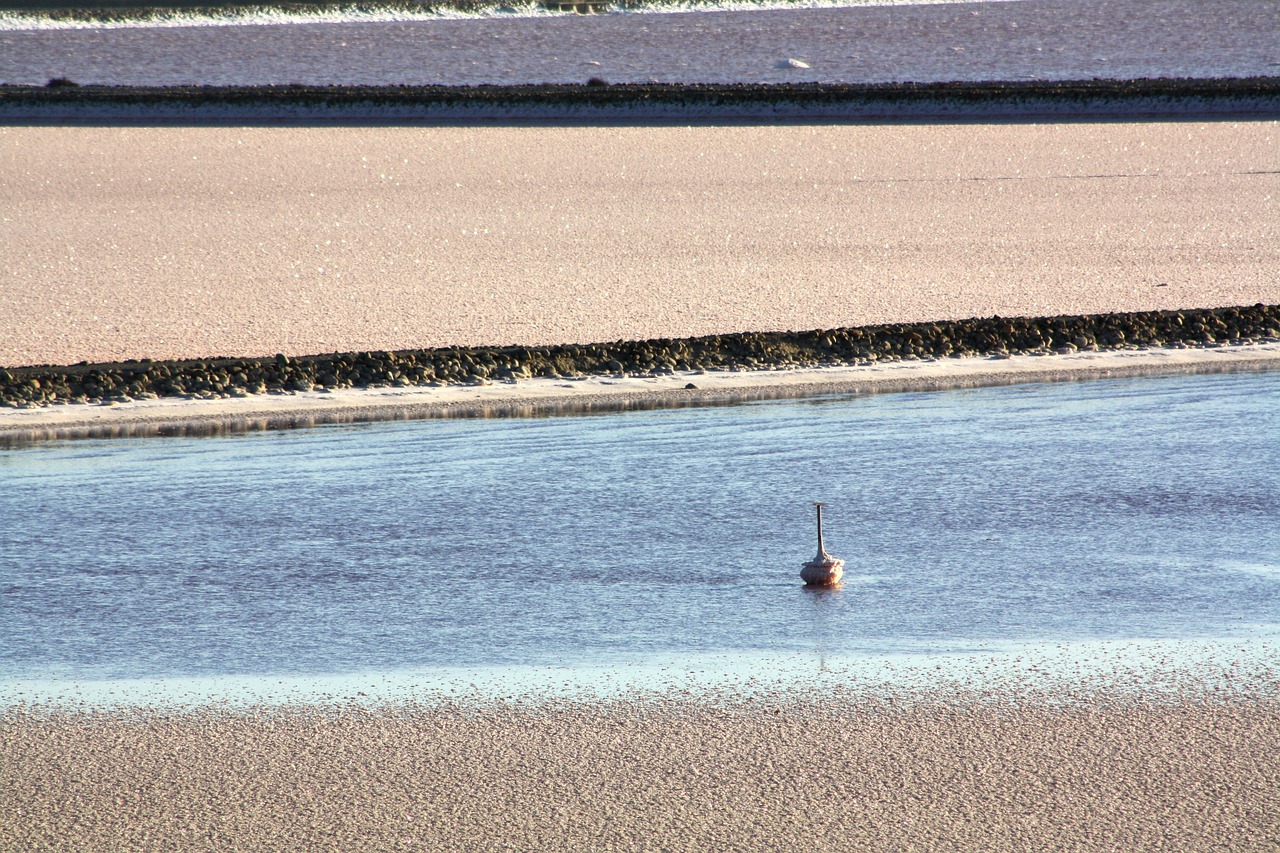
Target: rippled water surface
[1025, 39]
[1074, 513]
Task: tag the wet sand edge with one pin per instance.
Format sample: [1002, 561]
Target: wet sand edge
[600, 394]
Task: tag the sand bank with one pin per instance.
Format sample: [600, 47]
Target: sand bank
[169, 416]
[195, 242]
[786, 773]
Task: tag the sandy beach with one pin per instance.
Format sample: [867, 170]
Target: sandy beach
[791, 773]
[172, 241]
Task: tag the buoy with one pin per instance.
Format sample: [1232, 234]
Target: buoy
[824, 569]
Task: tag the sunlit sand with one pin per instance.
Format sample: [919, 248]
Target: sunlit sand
[169, 242]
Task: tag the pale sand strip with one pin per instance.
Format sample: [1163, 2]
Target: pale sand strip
[786, 774]
[171, 242]
[602, 393]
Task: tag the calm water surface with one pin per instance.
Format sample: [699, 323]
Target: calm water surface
[1071, 513]
[1027, 39]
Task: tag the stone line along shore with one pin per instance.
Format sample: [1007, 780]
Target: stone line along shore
[865, 346]
[65, 100]
[541, 397]
[787, 771]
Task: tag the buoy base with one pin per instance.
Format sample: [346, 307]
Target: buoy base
[825, 572]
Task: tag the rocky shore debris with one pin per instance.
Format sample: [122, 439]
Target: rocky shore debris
[579, 7]
[867, 345]
[1257, 95]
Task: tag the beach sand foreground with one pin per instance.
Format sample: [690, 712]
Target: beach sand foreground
[650, 775]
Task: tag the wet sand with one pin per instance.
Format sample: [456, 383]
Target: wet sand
[173, 242]
[785, 773]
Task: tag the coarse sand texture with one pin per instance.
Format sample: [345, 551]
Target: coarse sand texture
[655, 775]
[169, 242]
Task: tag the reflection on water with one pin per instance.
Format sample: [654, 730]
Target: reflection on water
[825, 599]
[972, 522]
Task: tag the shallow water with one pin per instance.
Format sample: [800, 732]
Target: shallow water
[1026, 39]
[974, 522]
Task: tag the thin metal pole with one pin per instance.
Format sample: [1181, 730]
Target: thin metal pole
[819, 505]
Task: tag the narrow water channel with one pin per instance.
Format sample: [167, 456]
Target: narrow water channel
[1082, 513]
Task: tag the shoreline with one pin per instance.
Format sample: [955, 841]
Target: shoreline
[1053, 672]
[596, 394]
[1254, 98]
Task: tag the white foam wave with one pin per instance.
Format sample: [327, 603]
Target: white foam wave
[14, 21]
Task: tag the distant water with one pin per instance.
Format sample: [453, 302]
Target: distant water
[1019, 40]
[1109, 512]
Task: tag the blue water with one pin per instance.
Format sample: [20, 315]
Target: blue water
[1026, 39]
[1109, 511]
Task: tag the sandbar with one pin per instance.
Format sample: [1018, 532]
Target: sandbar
[170, 242]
